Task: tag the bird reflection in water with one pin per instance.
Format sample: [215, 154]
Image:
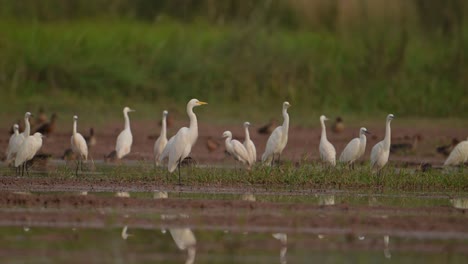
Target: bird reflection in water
[283, 238]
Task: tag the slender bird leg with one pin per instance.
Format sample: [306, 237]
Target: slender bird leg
[27, 169]
[272, 160]
[178, 166]
[352, 166]
[77, 166]
[23, 168]
[279, 158]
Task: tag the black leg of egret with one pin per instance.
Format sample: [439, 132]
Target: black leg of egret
[27, 169]
[77, 165]
[279, 158]
[178, 166]
[273, 160]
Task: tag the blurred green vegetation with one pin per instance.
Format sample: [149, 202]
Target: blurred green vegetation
[351, 57]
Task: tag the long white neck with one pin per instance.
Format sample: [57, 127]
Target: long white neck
[16, 132]
[193, 122]
[74, 126]
[163, 128]
[27, 128]
[285, 122]
[247, 134]
[363, 138]
[388, 135]
[324, 130]
[127, 121]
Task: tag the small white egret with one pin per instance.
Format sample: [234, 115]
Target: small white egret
[278, 139]
[27, 150]
[125, 138]
[180, 145]
[78, 146]
[161, 142]
[13, 144]
[327, 150]
[355, 148]
[236, 149]
[249, 145]
[381, 151]
[459, 154]
[27, 126]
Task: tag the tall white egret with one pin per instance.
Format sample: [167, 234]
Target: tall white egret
[27, 150]
[27, 126]
[180, 145]
[78, 146]
[13, 144]
[236, 149]
[459, 154]
[355, 148]
[327, 150]
[161, 142]
[125, 138]
[249, 145]
[278, 139]
[381, 151]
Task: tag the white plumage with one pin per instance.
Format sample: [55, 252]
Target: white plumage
[161, 142]
[278, 139]
[459, 154]
[180, 145]
[327, 150]
[249, 145]
[27, 126]
[185, 240]
[381, 151]
[28, 149]
[236, 149]
[125, 138]
[355, 148]
[13, 144]
[78, 144]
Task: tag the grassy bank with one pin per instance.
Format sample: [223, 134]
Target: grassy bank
[94, 65]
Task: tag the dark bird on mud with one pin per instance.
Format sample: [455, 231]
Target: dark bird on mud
[405, 147]
[41, 116]
[40, 160]
[338, 125]
[48, 128]
[268, 128]
[111, 156]
[91, 138]
[446, 149]
[188, 161]
[69, 154]
[424, 167]
[212, 144]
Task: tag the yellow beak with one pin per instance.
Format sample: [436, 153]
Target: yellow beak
[202, 103]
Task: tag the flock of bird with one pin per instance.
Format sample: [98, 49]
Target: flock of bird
[23, 147]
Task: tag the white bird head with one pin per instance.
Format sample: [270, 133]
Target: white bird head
[127, 110]
[364, 130]
[38, 135]
[27, 115]
[15, 127]
[323, 118]
[246, 124]
[196, 102]
[227, 134]
[165, 113]
[390, 117]
[75, 117]
[286, 105]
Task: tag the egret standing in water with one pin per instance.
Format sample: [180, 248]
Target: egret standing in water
[381, 151]
[161, 142]
[78, 146]
[249, 145]
[236, 149]
[278, 139]
[27, 150]
[355, 148]
[327, 150]
[13, 144]
[180, 145]
[459, 154]
[125, 138]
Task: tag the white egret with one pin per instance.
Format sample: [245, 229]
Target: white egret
[13, 144]
[180, 145]
[78, 146]
[249, 145]
[381, 151]
[27, 150]
[125, 138]
[161, 142]
[278, 139]
[459, 154]
[327, 150]
[355, 148]
[236, 149]
[27, 126]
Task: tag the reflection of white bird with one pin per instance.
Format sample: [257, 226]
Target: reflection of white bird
[283, 238]
[249, 145]
[27, 126]
[326, 199]
[78, 145]
[13, 144]
[125, 138]
[355, 148]
[180, 145]
[185, 240]
[124, 233]
[161, 142]
[327, 151]
[28, 149]
[160, 195]
[381, 151]
[459, 154]
[236, 149]
[387, 253]
[278, 139]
